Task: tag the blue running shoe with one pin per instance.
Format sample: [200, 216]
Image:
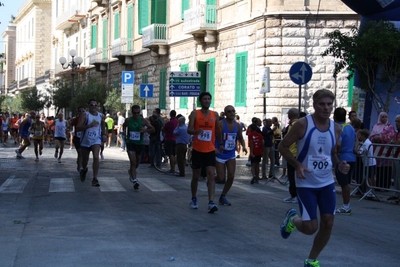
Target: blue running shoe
[311, 263]
[212, 207]
[193, 204]
[224, 201]
[287, 226]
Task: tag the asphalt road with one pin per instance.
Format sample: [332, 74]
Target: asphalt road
[50, 218]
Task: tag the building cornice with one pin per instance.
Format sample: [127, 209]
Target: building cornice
[27, 6]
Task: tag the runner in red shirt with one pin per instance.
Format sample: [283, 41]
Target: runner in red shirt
[256, 150]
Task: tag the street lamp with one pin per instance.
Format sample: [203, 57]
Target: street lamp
[74, 64]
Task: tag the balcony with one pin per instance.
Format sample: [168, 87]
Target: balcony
[98, 57]
[154, 37]
[45, 78]
[101, 3]
[27, 82]
[13, 87]
[201, 21]
[122, 48]
[69, 18]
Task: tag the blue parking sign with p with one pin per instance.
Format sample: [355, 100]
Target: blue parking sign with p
[128, 77]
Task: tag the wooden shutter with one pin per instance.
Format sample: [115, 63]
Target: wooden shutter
[241, 79]
[143, 14]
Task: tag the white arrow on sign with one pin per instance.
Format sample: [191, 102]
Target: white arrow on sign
[171, 87]
[146, 91]
[301, 76]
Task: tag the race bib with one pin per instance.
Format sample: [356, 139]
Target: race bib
[230, 141]
[319, 163]
[135, 136]
[92, 135]
[205, 135]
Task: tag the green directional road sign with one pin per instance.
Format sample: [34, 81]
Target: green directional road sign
[182, 84]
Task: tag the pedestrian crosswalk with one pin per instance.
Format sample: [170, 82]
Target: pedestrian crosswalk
[14, 185]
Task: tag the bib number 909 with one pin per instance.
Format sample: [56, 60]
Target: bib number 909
[320, 165]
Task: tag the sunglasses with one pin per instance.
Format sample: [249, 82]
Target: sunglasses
[93, 105]
[231, 111]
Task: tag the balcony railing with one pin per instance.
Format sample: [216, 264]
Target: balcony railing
[13, 86]
[154, 34]
[67, 19]
[97, 56]
[122, 47]
[200, 18]
[44, 78]
[27, 82]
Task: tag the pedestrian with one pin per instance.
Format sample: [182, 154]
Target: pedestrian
[92, 124]
[268, 150]
[231, 132]
[60, 135]
[14, 128]
[170, 140]
[346, 153]
[256, 150]
[317, 139]
[293, 115]
[24, 133]
[277, 138]
[366, 150]
[204, 126]
[243, 128]
[134, 128]
[38, 129]
[77, 139]
[121, 137]
[182, 141]
[5, 127]
[396, 164]
[155, 143]
[110, 128]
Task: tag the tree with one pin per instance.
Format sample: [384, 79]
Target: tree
[374, 52]
[32, 99]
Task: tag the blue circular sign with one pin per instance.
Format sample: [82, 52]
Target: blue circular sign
[300, 73]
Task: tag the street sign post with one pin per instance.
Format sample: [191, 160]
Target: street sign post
[146, 90]
[183, 84]
[300, 73]
[127, 80]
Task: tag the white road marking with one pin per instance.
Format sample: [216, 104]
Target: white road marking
[12, 185]
[156, 185]
[110, 184]
[61, 185]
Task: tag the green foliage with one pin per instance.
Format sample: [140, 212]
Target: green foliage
[374, 51]
[113, 101]
[32, 99]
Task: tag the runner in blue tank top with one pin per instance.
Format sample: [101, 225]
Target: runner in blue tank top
[231, 132]
[317, 138]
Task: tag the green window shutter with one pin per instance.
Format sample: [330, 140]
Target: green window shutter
[129, 34]
[158, 12]
[185, 6]
[240, 79]
[211, 11]
[202, 67]
[162, 97]
[143, 14]
[183, 101]
[211, 79]
[105, 35]
[350, 92]
[94, 36]
[116, 25]
[145, 77]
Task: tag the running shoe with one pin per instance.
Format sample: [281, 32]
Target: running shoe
[224, 201]
[95, 182]
[248, 164]
[56, 154]
[287, 226]
[37, 159]
[291, 200]
[314, 263]
[132, 180]
[212, 207]
[343, 211]
[135, 184]
[101, 155]
[18, 154]
[59, 160]
[193, 204]
[40, 152]
[82, 174]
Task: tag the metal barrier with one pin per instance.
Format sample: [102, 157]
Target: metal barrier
[369, 179]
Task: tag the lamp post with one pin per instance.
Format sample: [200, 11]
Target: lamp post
[73, 64]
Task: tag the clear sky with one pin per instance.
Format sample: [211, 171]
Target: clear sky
[10, 8]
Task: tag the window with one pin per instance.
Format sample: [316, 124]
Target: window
[162, 97]
[183, 101]
[129, 34]
[105, 35]
[185, 6]
[157, 9]
[94, 36]
[207, 78]
[116, 25]
[240, 79]
[145, 77]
